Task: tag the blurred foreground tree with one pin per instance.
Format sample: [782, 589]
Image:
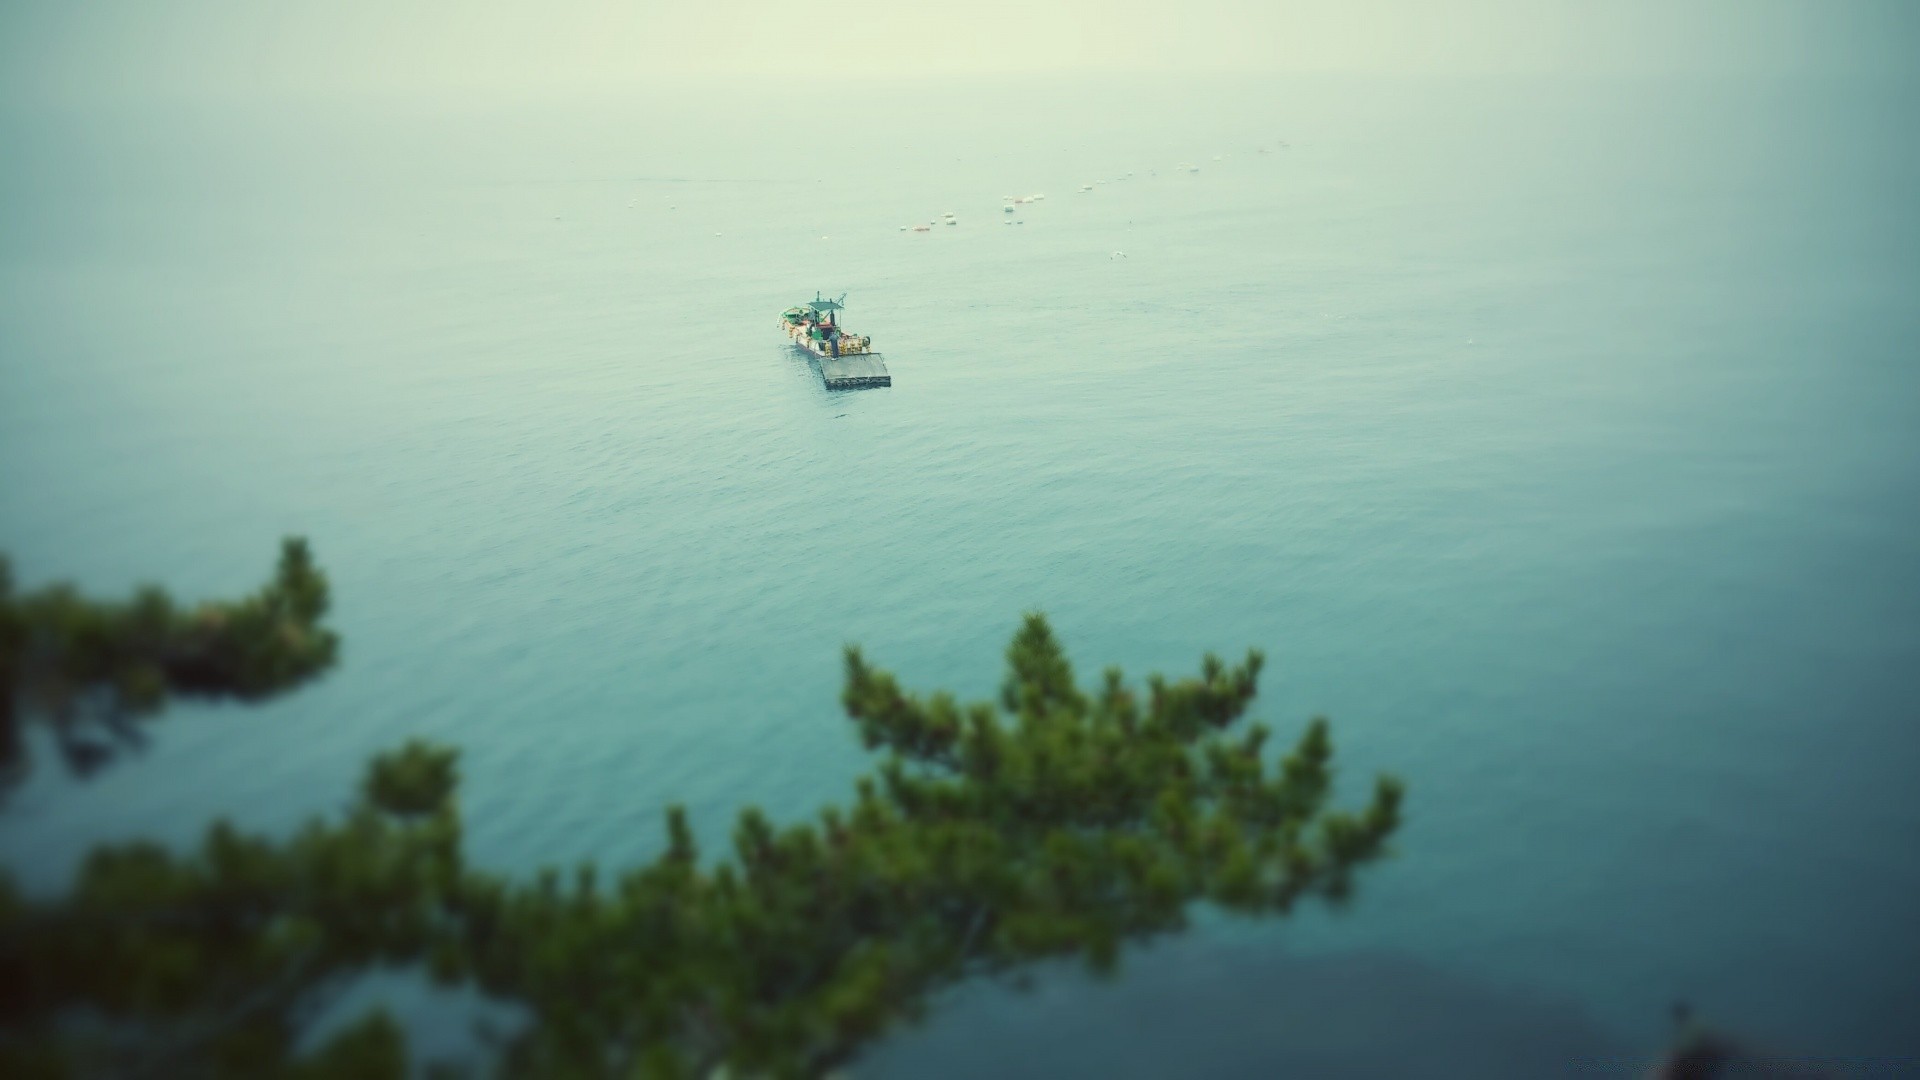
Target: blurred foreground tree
[89, 670]
[1056, 822]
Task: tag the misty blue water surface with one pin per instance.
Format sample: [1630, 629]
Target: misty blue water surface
[1558, 441]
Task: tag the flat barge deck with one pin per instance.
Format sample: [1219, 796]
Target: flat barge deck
[855, 371]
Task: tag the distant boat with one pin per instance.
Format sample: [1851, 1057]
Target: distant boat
[847, 361]
[923, 228]
[1007, 209]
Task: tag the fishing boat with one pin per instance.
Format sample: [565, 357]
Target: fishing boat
[847, 361]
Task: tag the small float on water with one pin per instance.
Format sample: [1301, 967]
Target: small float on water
[847, 361]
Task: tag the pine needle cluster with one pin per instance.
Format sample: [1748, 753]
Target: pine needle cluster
[1054, 822]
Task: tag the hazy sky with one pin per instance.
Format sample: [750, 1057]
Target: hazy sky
[237, 48]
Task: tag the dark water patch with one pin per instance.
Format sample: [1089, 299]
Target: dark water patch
[1218, 1010]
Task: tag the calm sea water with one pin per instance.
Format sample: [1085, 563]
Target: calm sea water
[1559, 441]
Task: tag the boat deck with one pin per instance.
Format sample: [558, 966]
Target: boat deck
[853, 371]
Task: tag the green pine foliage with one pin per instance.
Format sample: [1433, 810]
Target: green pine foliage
[90, 670]
[1056, 822]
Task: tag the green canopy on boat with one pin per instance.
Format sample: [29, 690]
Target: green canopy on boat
[821, 305]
